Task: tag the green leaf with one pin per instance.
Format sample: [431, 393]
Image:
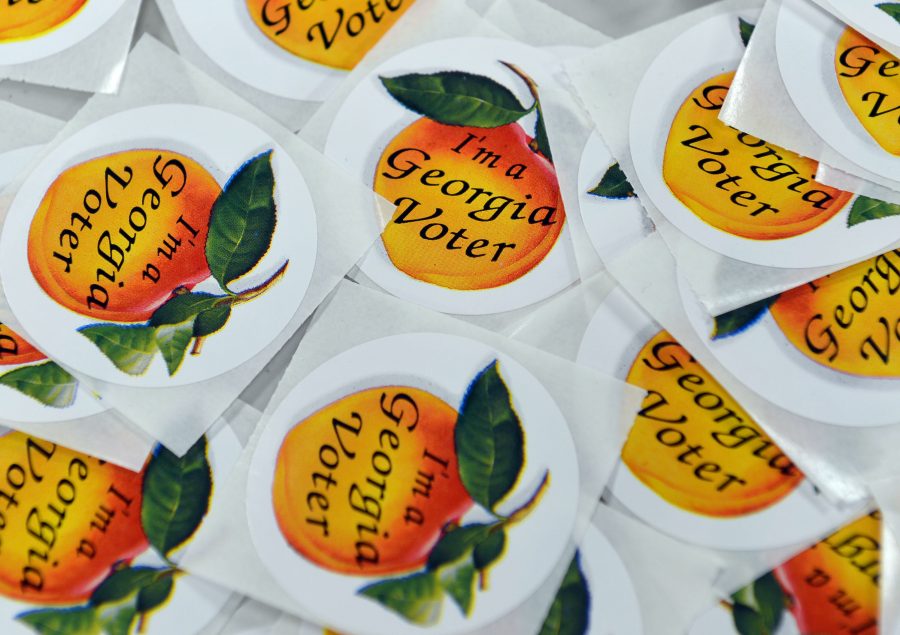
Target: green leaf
[211, 321]
[614, 184]
[865, 208]
[770, 601]
[122, 584]
[155, 594]
[183, 307]
[130, 348]
[242, 221]
[459, 583]
[457, 99]
[80, 620]
[455, 544]
[747, 621]
[735, 321]
[175, 496]
[489, 439]
[746, 29]
[540, 134]
[48, 383]
[487, 551]
[570, 612]
[173, 341]
[891, 8]
[119, 622]
[417, 597]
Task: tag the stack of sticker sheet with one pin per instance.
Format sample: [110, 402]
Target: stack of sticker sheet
[436, 317]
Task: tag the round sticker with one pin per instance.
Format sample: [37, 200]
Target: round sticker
[479, 226]
[31, 31]
[386, 454]
[833, 339]
[878, 18]
[732, 192]
[87, 543]
[828, 588]
[132, 254]
[844, 86]
[695, 464]
[296, 50]
[610, 211]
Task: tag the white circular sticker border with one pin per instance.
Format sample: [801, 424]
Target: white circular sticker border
[221, 142]
[533, 548]
[88, 20]
[239, 48]
[806, 37]
[707, 49]
[813, 391]
[614, 605]
[385, 118]
[616, 334]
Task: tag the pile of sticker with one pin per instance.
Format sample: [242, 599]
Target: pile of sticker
[448, 316]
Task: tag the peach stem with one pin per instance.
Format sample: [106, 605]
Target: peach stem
[726, 604]
[533, 89]
[255, 292]
[198, 345]
[523, 511]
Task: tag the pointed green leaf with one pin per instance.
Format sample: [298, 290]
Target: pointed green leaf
[456, 543]
[891, 8]
[183, 307]
[48, 383]
[735, 321]
[747, 621]
[122, 584]
[173, 341]
[130, 348]
[770, 601]
[489, 439]
[570, 612]
[746, 29]
[457, 99]
[242, 221]
[176, 496]
[459, 583]
[540, 135]
[865, 209]
[417, 598]
[211, 321]
[120, 621]
[614, 184]
[155, 594]
[490, 549]
[72, 621]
